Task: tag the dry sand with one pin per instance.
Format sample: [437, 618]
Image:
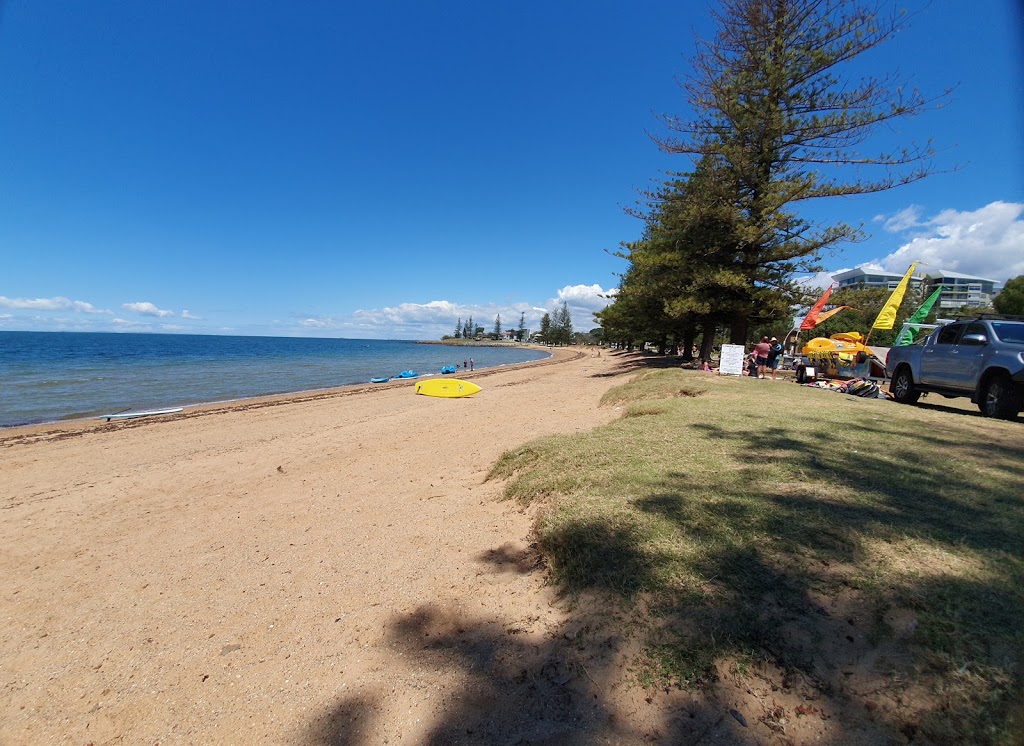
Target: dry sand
[326, 568]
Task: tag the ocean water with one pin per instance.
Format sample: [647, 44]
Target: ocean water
[49, 376]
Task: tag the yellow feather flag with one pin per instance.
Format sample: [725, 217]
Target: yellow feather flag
[887, 316]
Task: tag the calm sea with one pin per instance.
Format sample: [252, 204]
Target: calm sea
[48, 376]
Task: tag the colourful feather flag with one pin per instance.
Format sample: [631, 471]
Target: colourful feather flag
[811, 319]
[887, 316]
[919, 315]
[829, 314]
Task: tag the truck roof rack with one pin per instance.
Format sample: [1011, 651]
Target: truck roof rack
[989, 317]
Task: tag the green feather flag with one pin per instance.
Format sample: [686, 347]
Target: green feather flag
[918, 316]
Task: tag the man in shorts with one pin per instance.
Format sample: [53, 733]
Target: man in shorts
[761, 349]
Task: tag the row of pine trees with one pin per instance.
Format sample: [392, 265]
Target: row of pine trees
[774, 125]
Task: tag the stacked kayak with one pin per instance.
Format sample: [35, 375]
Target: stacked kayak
[448, 369]
[407, 374]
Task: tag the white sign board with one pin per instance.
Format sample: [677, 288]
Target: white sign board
[732, 360]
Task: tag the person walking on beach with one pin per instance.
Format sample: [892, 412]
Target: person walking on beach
[471, 363]
[762, 349]
[463, 364]
[774, 355]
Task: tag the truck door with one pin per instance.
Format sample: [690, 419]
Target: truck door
[968, 359]
[938, 355]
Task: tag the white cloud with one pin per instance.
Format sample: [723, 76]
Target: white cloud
[49, 304]
[592, 297]
[436, 318]
[147, 309]
[988, 242]
[127, 325]
[186, 314]
[905, 219]
[819, 280]
[436, 311]
[583, 302]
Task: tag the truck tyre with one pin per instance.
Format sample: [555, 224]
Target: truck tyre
[902, 387]
[1000, 399]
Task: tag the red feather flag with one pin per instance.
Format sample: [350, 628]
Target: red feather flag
[811, 319]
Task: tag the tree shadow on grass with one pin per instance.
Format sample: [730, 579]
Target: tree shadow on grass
[903, 488]
[778, 571]
[811, 544]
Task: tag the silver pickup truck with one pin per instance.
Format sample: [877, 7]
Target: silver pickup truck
[982, 358]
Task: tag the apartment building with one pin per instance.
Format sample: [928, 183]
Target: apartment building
[873, 278]
[959, 289]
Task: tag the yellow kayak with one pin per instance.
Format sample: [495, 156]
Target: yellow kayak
[840, 356]
[844, 344]
[446, 388]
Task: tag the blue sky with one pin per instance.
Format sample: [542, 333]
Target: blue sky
[378, 170]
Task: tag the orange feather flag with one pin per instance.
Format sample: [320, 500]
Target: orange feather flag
[811, 319]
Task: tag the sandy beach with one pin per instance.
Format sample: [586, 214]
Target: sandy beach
[321, 568]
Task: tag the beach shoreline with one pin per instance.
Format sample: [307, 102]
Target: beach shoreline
[269, 571]
[12, 434]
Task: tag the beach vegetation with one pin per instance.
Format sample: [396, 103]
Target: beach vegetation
[795, 540]
[545, 328]
[1011, 298]
[783, 113]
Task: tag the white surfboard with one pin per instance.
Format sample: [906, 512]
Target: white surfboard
[130, 415]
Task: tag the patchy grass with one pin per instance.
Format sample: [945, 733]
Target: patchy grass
[765, 525]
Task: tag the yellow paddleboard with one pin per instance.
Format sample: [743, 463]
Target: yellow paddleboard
[448, 388]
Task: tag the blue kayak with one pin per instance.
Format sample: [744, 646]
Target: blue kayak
[379, 380]
[407, 374]
[448, 369]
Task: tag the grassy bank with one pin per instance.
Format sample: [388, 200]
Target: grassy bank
[872, 551]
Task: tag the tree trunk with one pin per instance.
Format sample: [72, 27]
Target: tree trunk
[739, 329]
[707, 342]
[688, 336]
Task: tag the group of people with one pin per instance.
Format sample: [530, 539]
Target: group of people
[766, 355]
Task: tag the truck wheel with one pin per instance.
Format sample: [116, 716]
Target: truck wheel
[902, 387]
[1000, 399]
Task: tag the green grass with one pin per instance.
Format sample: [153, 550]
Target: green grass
[734, 507]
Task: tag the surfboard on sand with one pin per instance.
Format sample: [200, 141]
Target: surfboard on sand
[446, 388]
[130, 415]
